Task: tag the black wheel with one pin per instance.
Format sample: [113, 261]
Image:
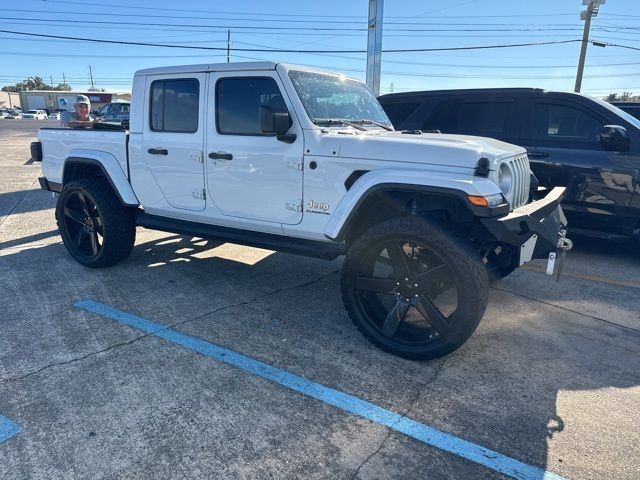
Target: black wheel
[96, 229]
[413, 288]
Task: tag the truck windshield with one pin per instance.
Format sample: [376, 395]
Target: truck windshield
[334, 100]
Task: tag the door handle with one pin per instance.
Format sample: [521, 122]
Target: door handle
[158, 151]
[220, 156]
[537, 154]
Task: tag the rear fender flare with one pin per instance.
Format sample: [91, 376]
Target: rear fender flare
[111, 170]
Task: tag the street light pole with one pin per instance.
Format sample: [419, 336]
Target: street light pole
[591, 11]
[374, 45]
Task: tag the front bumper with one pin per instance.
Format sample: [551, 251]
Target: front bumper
[536, 228]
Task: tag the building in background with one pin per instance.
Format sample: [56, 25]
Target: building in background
[53, 100]
[9, 99]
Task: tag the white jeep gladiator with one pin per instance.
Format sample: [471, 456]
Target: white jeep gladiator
[299, 160]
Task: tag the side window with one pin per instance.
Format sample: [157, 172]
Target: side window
[563, 122]
[174, 105]
[485, 119]
[238, 102]
[398, 112]
[444, 117]
[103, 111]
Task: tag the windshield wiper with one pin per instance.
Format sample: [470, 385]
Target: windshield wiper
[373, 122]
[328, 121]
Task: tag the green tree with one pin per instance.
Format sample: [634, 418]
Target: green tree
[34, 83]
[612, 97]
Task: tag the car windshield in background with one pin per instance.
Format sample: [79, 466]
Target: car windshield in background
[627, 116]
[335, 100]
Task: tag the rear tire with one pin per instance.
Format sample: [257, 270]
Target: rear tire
[97, 230]
[413, 288]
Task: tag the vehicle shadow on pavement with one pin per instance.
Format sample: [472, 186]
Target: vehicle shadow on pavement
[534, 382]
[24, 201]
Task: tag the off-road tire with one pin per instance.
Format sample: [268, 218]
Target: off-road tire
[459, 259]
[113, 223]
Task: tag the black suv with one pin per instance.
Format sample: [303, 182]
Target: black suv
[579, 142]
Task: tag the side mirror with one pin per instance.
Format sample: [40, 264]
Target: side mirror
[274, 122]
[614, 138]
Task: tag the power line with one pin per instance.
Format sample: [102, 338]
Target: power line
[326, 29]
[193, 47]
[245, 19]
[94, 4]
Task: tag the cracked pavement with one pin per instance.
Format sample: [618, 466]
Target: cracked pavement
[549, 378]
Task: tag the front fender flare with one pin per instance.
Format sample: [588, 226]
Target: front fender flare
[458, 185]
[110, 168]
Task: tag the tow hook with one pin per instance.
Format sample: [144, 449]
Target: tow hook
[563, 246]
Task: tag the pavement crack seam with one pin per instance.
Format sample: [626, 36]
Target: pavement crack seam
[168, 327]
[404, 415]
[568, 310]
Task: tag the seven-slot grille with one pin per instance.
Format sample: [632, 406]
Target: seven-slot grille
[521, 181]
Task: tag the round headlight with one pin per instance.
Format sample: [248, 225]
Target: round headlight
[505, 177]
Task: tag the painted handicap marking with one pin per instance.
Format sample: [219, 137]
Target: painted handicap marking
[349, 403]
[7, 429]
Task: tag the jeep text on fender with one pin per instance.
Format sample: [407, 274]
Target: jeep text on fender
[299, 160]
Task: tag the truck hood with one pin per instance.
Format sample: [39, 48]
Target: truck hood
[460, 151]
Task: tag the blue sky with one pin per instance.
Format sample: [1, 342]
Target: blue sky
[327, 25]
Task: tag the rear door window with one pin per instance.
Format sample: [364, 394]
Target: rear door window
[486, 119]
[174, 105]
[399, 112]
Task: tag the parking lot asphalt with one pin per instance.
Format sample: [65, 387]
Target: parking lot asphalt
[551, 378]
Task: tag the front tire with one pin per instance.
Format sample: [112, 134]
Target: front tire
[413, 288]
[97, 230]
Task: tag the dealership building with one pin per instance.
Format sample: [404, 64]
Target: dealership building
[60, 100]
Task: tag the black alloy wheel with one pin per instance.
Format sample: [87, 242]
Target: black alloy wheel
[413, 289]
[84, 224]
[96, 228]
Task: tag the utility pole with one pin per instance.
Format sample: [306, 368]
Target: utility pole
[51, 78]
[228, 43]
[592, 10]
[64, 79]
[374, 45]
[91, 77]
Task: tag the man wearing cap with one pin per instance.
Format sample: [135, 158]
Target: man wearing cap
[80, 118]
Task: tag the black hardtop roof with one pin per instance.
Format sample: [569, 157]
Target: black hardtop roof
[462, 91]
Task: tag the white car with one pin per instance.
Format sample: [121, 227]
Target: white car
[303, 161]
[35, 114]
[54, 116]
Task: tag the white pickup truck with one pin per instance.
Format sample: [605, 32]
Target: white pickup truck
[299, 160]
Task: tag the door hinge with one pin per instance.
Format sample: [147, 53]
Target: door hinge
[200, 194]
[296, 164]
[295, 205]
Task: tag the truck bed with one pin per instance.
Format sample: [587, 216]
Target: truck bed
[59, 144]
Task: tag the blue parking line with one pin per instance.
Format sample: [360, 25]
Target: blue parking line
[7, 429]
[419, 431]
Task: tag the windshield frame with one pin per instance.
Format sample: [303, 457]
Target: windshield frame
[318, 120]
